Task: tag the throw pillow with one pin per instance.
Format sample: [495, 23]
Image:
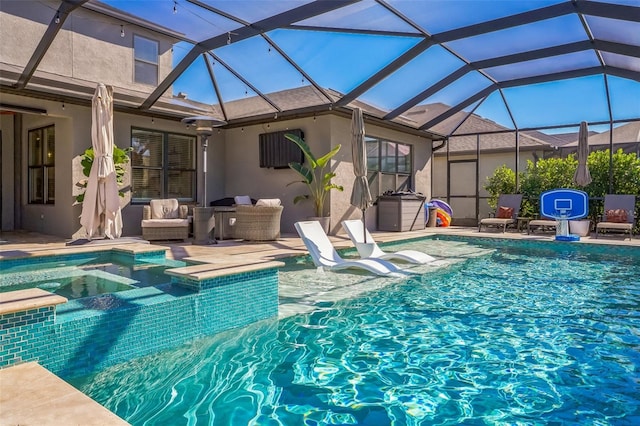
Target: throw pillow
[268, 202]
[616, 215]
[243, 200]
[505, 212]
[164, 209]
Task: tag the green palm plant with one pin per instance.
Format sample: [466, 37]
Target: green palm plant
[314, 174]
[120, 160]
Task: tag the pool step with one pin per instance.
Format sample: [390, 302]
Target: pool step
[26, 300]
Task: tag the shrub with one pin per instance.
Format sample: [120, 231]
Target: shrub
[503, 181]
[554, 173]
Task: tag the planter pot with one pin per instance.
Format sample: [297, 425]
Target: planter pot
[580, 227]
[324, 221]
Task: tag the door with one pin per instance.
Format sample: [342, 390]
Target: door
[463, 191]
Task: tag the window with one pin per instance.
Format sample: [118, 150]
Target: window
[389, 166]
[163, 165]
[145, 58]
[42, 172]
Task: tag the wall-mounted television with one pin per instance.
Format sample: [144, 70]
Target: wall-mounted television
[277, 152]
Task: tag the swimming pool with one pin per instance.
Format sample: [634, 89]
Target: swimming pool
[86, 274]
[532, 334]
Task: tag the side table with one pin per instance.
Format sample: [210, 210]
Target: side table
[523, 222]
[223, 214]
[203, 224]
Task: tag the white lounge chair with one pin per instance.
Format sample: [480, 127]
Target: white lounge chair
[324, 255]
[370, 249]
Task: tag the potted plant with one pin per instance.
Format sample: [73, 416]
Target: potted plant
[120, 159]
[315, 175]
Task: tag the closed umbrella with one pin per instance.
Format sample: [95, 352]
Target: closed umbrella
[582, 177]
[101, 205]
[360, 195]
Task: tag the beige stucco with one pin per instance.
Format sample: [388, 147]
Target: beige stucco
[244, 176]
[73, 136]
[233, 165]
[20, 35]
[8, 170]
[88, 47]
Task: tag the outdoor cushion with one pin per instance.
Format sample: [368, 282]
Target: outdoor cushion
[164, 209]
[163, 223]
[616, 216]
[242, 200]
[505, 212]
[268, 202]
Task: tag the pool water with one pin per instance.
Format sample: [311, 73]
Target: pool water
[503, 336]
[86, 276]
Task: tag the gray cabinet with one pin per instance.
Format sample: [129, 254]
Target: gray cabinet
[400, 212]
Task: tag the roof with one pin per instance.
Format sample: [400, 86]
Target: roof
[627, 133]
[426, 65]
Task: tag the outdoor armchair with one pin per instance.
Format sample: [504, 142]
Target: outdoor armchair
[165, 220]
[259, 222]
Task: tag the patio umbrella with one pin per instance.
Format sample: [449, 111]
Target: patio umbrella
[582, 177]
[360, 194]
[101, 205]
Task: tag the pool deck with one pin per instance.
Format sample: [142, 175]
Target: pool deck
[30, 394]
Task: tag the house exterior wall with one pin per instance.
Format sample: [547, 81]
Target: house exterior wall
[73, 137]
[245, 177]
[8, 170]
[232, 165]
[341, 208]
[88, 47]
[123, 123]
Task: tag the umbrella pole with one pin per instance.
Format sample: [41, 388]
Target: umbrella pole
[364, 226]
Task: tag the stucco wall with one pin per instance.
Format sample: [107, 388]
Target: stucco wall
[341, 208]
[245, 177]
[88, 47]
[132, 213]
[8, 170]
[54, 218]
[232, 166]
[73, 137]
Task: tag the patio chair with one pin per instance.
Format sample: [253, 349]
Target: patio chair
[371, 250]
[259, 222]
[324, 255]
[619, 214]
[506, 213]
[165, 220]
